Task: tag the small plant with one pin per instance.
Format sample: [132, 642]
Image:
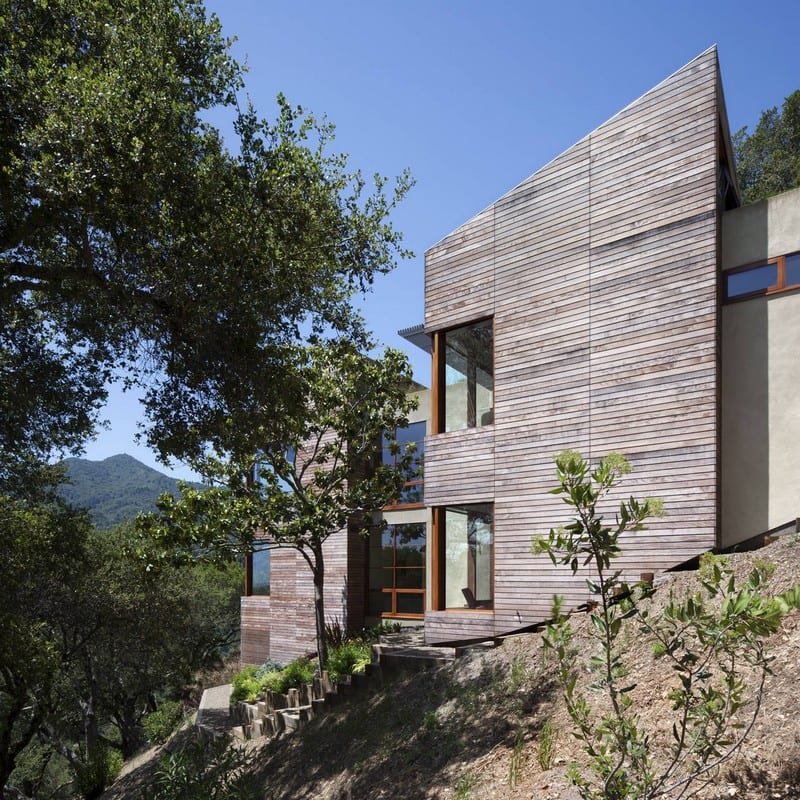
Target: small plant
[713, 640]
[295, 674]
[349, 658]
[548, 735]
[160, 724]
[708, 562]
[430, 722]
[464, 785]
[335, 632]
[765, 567]
[517, 675]
[99, 771]
[515, 764]
[199, 771]
[246, 685]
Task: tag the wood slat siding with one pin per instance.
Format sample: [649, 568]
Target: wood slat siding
[600, 271]
[255, 625]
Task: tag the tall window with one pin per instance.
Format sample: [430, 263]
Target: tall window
[465, 377]
[397, 570]
[259, 563]
[412, 491]
[467, 556]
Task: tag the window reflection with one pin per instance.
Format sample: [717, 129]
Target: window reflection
[397, 570]
[414, 433]
[469, 377]
[468, 553]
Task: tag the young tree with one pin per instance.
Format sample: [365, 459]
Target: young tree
[713, 642]
[322, 475]
[768, 160]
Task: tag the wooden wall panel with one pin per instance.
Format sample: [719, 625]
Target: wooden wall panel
[255, 625]
[603, 276]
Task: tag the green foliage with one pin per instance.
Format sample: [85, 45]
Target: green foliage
[711, 564]
[214, 770]
[548, 736]
[160, 724]
[464, 785]
[348, 658]
[304, 490]
[768, 160]
[713, 641]
[515, 762]
[251, 682]
[247, 684]
[116, 489]
[98, 771]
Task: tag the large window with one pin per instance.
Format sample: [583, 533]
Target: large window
[397, 570]
[465, 377]
[467, 556]
[414, 433]
[258, 569]
[770, 276]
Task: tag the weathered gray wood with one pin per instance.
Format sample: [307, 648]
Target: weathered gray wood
[600, 272]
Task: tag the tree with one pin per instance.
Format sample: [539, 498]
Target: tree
[322, 475]
[134, 244]
[712, 641]
[768, 160]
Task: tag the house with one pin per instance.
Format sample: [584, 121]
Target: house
[367, 579]
[618, 299]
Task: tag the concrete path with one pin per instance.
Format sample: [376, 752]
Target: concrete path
[213, 715]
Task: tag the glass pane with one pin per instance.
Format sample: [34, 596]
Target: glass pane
[411, 493]
[387, 547]
[793, 269]
[755, 279]
[410, 604]
[386, 602]
[261, 569]
[410, 543]
[468, 377]
[410, 578]
[468, 556]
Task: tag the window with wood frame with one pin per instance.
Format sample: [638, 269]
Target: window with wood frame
[465, 558]
[412, 493]
[258, 568]
[766, 277]
[397, 570]
[464, 377]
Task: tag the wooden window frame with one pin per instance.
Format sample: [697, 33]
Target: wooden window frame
[438, 529]
[394, 591]
[778, 288]
[438, 410]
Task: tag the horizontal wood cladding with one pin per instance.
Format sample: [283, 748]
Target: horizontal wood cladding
[459, 466]
[601, 274]
[255, 619]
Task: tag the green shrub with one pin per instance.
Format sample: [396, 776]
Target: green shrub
[294, 675]
[246, 685]
[160, 724]
[347, 658]
[99, 771]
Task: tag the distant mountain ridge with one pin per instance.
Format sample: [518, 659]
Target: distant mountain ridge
[116, 489]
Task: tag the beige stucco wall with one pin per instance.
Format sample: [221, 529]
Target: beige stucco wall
[760, 378]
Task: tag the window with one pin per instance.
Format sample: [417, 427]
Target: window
[771, 276]
[397, 570]
[414, 433]
[259, 563]
[465, 377]
[466, 556]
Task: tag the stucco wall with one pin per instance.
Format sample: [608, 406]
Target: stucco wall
[760, 376]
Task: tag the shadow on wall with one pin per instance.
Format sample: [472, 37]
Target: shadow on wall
[745, 386]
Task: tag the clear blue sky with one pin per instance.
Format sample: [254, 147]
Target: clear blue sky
[475, 96]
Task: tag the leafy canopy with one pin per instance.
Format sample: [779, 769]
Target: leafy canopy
[133, 242]
[768, 160]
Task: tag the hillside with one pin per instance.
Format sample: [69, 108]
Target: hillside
[116, 489]
[475, 730]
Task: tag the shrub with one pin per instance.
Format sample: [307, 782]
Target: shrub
[100, 770]
[713, 641]
[160, 724]
[347, 658]
[246, 685]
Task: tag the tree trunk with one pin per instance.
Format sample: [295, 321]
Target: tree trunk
[318, 571]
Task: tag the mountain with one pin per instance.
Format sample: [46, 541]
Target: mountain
[115, 489]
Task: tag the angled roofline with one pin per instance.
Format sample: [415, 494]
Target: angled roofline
[712, 48]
